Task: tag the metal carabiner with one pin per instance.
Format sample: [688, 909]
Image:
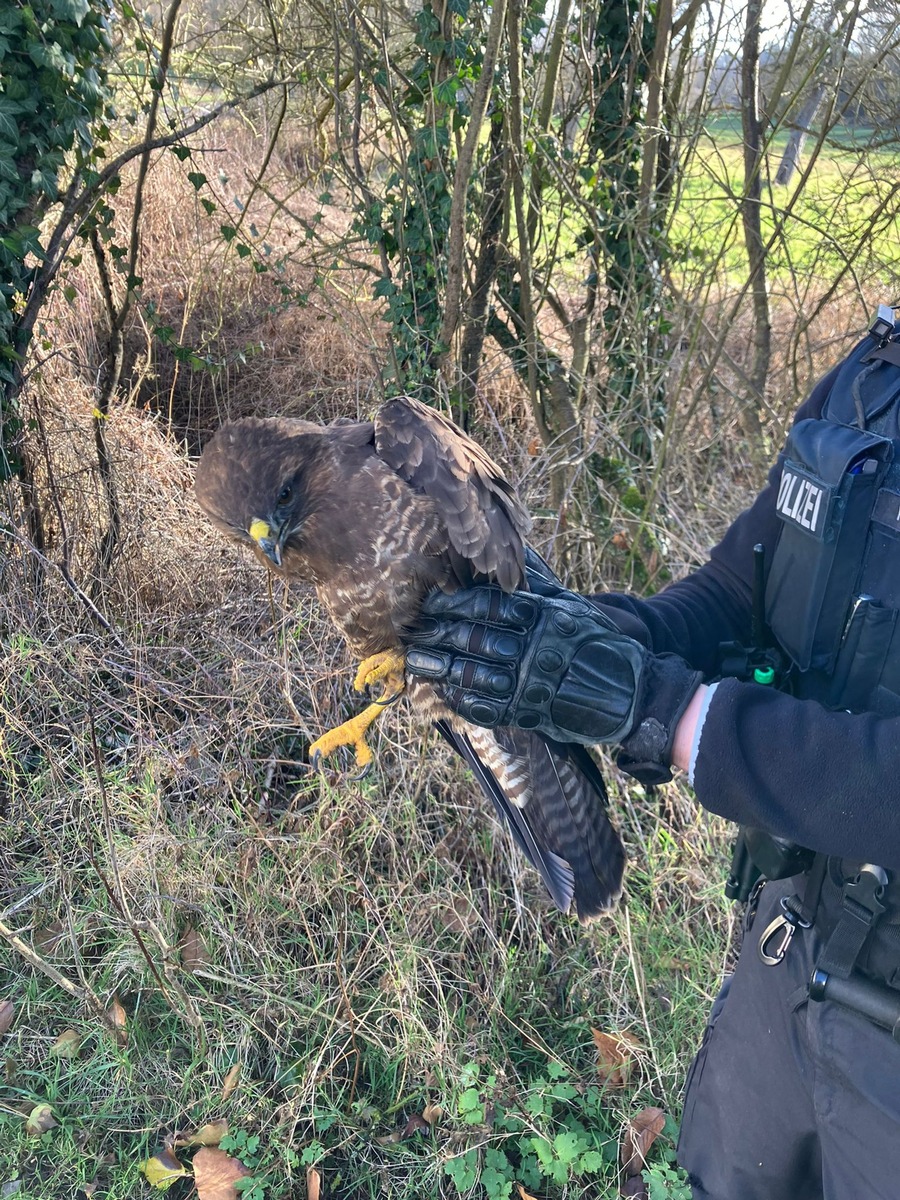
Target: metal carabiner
[772, 960]
[789, 922]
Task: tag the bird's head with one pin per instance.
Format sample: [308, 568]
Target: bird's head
[253, 481]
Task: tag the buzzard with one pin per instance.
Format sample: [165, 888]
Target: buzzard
[375, 514]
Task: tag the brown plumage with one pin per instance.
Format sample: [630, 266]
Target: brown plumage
[376, 514]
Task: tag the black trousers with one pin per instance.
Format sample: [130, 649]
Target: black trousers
[789, 1099]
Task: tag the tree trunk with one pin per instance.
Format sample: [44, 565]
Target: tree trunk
[790, 160]
[753, 124]
[496, 199]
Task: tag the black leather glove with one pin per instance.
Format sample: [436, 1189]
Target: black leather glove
[554, 663]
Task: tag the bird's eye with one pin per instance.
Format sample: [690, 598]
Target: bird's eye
[284, 496]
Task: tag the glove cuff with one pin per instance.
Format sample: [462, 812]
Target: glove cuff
[668, 685]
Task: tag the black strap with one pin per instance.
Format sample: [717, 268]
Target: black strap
[889, 352]
[804, 909]
[860, 909]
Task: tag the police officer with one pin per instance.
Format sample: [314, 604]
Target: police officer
[795, 1092]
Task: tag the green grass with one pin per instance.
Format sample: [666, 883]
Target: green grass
[843, 220]
[845, 216]
[371, 950]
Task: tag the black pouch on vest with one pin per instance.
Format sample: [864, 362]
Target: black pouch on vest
[830, 477]
[857, 682]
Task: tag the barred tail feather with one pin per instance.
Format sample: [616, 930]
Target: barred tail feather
[553, 799]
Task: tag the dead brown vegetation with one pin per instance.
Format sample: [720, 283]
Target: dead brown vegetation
[155, 717]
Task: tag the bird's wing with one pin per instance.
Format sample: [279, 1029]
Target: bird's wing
[553, 799]
[485, 519]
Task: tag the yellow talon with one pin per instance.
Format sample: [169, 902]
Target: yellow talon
[386, 668]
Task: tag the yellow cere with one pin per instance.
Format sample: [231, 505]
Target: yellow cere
[258, 530]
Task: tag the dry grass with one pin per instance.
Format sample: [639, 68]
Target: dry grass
[364, 947]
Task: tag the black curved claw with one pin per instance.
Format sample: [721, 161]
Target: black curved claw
[316, 762]
[367, 769]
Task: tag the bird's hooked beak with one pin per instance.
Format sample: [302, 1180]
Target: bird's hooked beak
[270, 546]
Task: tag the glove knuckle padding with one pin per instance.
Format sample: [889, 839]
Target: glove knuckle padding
[487, 679]
[554, 663]
[486, 604]
[581, 675]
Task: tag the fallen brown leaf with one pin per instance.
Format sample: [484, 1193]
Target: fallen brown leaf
[163, 1169]
[49, 938]
[207, 1135]
[117, 1021]
[615, 1056]
[523, 1195]
[640, 1134]
[415, 1124]
[7, 1012]
[40, 1120]
[66, 1045]
[216, 1173]
[231, 1081]
[460, 916]
[432, 1113]
[313, 1184]
[192, 949]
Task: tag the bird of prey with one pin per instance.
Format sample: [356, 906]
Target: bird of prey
[375, 514]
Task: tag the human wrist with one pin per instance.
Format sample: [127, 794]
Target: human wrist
[686, 729]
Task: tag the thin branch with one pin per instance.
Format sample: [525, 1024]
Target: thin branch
[456, 237]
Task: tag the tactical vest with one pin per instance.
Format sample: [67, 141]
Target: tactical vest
[833, 589]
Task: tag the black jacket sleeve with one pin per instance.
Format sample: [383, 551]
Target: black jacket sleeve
[827, 780]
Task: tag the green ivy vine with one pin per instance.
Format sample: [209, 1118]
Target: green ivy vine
[54, 102]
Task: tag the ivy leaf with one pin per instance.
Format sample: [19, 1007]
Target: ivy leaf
[568, 1145]
[496, 1174]
[71, 10]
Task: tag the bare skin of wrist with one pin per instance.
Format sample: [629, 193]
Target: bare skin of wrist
[687, 727]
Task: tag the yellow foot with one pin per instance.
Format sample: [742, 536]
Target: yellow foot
[386, 668]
